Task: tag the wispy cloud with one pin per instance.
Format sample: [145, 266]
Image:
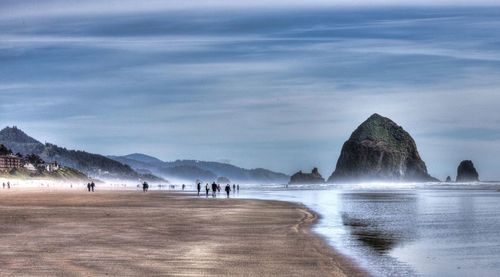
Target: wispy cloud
[258, 87]
[94, 7]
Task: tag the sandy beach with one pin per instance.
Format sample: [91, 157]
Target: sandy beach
[128, 233]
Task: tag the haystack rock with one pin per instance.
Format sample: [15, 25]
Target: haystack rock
[466, 172]
[307, 178]
[380, 150]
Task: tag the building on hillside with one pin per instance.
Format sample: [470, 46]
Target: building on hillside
[30, 167]
[8, 162]
[51, 167]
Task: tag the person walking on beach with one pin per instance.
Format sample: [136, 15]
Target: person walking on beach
[207, 188]
[214, 189]
[145, 187]
[92, 186]
[198, 187]
[88, 187]
[183, 186]
[234, 188]
[218, 188]
[8, 185]
[228, 190]
[238, 188]
[3, 185]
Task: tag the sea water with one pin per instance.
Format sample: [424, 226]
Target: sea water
[405, 229]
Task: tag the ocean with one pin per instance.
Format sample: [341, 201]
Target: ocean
[405, 229]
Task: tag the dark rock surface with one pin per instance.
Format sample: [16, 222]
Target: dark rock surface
[466, 172]
[448, 179]
[223, 180]
[307, 178]
[380, 150]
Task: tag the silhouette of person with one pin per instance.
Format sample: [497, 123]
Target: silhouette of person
[183, 186]
[228, 190]
[214, 189]
[198, 187]
[88, 186]
[8, 185]
[207, 188]
[218, 188]
[3, 185]
[234, 188]
[92, 186]
[238, 188]
[145, 187]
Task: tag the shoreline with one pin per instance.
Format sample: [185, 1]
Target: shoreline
[66, 232]
[347, 265]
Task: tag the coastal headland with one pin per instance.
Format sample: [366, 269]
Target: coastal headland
[130, 233]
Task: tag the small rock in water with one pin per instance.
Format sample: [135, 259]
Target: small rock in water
[466, 172]
[307, 178]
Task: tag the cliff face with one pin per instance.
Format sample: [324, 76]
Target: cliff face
[307, 178]
[380, 150]
[466, 172]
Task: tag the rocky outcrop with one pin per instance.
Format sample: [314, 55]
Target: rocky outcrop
[307, 178]
[380, 150]
[448, 179]
[466, 172]
[223, 180]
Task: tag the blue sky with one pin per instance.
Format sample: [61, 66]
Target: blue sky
[275, 84]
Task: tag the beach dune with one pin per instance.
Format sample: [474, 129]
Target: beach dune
[129, 233]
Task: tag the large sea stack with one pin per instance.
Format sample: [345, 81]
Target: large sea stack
[380, 150]
[466, 172]
[307, 178]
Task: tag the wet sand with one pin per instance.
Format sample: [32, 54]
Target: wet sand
[128, 233]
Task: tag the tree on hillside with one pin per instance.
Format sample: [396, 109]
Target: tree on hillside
[34, 159]
[4, 150]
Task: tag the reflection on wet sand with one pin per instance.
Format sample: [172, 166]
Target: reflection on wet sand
[366, 216]
[369, 234]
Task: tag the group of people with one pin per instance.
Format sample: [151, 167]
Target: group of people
[8, 185]
[217, 188]
[91, 186]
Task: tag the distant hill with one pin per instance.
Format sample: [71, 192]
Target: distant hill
[94, 165]
[134, 166]
[191, 170]
[143, 158]
[20, 142]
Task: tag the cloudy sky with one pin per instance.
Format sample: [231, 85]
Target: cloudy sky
[275, 84]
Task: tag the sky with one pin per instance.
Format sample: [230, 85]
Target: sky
[273, 84]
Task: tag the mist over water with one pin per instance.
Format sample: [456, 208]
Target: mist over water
[406, 229]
